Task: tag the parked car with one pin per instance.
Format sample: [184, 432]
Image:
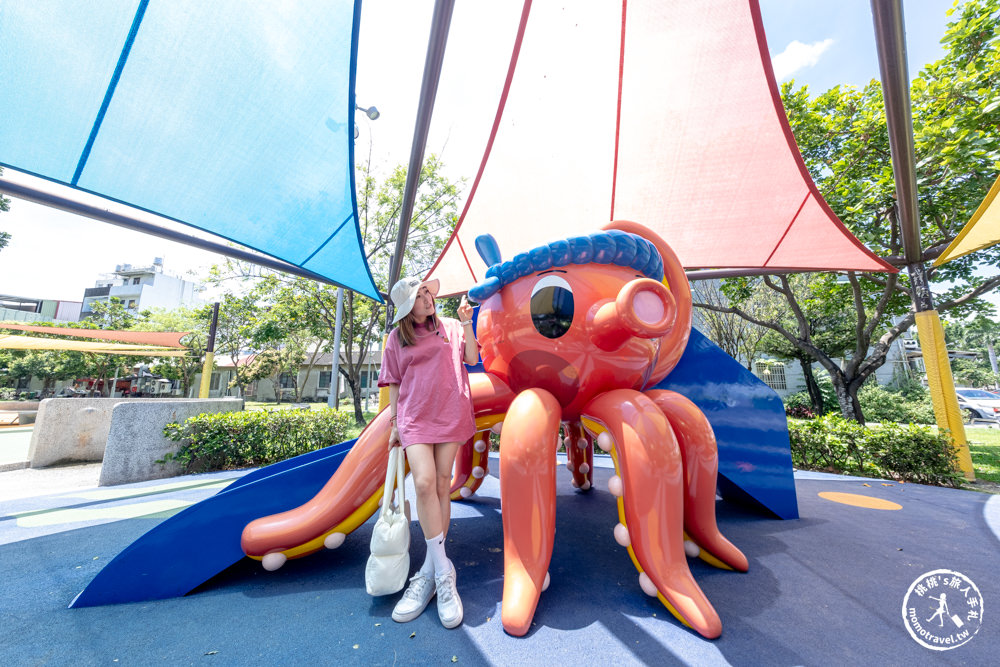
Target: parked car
[978, 404]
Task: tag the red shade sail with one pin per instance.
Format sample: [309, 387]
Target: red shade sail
[158, 338]
[666, 113]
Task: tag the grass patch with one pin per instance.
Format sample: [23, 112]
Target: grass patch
[984, 446]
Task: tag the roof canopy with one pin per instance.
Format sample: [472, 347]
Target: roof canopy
[233, 117]
[982, 231]
[666, 113]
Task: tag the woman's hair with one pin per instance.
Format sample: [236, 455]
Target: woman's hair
[407, 328]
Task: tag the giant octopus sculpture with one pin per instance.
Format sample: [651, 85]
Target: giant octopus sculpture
[572, 334]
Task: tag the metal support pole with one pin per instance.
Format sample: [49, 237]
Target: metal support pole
[891, 43]
[440, 24]
[206, 370]
[333, 400]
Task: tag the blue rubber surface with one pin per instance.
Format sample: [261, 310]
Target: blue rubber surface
[824, 590]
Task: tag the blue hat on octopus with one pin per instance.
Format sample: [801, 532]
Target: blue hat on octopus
[606, 247]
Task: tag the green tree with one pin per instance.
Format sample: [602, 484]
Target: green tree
[4, 206]
[435, 214]
[195, 321]
[980, 335]
[296, 322]
[48, 366]
[239, 334]
[843, 139]
[740, 338]
[114, 316]
[272, 363]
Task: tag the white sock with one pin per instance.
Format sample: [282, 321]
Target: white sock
[436, 554]
[427, 569]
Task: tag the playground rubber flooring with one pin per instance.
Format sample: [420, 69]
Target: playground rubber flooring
[825, 589]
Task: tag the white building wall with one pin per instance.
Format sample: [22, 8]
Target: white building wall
[153, 290]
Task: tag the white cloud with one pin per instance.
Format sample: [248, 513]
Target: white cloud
[797, 56]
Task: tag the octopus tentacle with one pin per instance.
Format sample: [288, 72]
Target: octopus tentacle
[490, 398]
[650, 473]
[701, 467]
[344, 503]
[579, 455]
[472, 463]
[528, 502]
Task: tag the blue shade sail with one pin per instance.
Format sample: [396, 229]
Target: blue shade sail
[233, 117]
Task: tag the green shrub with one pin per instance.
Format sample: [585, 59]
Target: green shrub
[915, 454]
[883, 405]
[799, 399]
[230, 440]
[909, 453]
[827, 443]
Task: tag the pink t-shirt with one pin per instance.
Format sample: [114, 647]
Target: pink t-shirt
[435, 402]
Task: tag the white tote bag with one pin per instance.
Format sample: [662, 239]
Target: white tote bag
[389, 564]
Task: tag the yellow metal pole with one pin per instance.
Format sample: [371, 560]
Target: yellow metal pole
[383, 392]
[942, 385]
[206, 375]
[206, 370]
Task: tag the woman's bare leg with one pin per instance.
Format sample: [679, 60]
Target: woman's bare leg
[423, 467]
[444, 460]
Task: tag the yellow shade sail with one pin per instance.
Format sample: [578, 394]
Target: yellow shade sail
[29, 343]
[982, 231]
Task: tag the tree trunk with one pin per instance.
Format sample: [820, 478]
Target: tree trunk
[359, 414]
[848, 402]
[815, 395]
[852, 393]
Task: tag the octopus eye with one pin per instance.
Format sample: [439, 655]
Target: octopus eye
[552, 306]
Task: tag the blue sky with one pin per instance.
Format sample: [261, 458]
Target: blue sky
[825, 43]
[822, 44]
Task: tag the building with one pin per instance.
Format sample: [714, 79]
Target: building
[315, 382]
[26, 309]
[141, 288]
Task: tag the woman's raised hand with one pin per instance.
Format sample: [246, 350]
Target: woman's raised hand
[394, 437]
[464, 310]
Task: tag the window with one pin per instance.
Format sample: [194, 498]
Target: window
[773, 375]
[286, 381]
[135, 281]
[214, 384]
[131, 303]
[324, 379]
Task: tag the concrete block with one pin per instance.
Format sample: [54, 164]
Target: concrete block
[71, 430]
[135, 440]
[26, 416]
[75, 430]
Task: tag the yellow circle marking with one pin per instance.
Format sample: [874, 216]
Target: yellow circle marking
[858, 500]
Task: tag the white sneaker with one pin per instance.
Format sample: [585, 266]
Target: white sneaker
[415, 598]
[449, 604]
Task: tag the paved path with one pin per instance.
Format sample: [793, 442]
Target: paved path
[14, 444]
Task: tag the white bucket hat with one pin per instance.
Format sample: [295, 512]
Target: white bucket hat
[404, 293]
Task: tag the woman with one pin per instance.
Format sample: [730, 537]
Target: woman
[431, 407]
